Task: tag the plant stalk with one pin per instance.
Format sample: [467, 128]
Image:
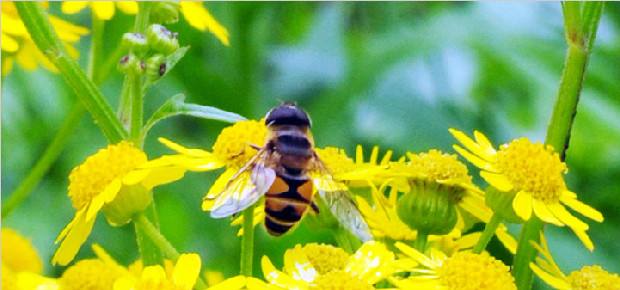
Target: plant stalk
[420, 242]
[247, 242]
[487, 234]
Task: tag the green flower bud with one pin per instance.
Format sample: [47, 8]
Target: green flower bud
[429, 207]
[128, 202]
[161, 39]
[156, 66]
[501, 203]
[135, 42]
[130, 64]
[166, 12]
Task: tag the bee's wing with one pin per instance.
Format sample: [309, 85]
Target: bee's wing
[339, 200]
[245, 187]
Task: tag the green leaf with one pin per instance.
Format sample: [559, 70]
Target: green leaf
[591, 15]
[176, 106]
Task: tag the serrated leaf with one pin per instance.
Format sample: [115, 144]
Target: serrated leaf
[176, 106]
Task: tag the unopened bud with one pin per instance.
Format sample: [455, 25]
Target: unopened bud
[161, 39]
[130, 64]
[428, 208]
[166, 12]
[156, 66]
[135, 42]
[127, 203]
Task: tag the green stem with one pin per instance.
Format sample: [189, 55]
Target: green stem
[420, 242]
[36, 21]
[487, 234]
[45, 161]
[343, 239]
[247, 242]
[96, 48]
[144, 225]
[580, 31]
[137, 107]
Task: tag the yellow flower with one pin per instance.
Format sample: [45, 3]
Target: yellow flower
[103, 9]
[18, 46]
[382, 217]
[94, 274]
[116, 180]
[532, 172]
[461, 271]
[319, 267]
[194, 12]
[587, 278]
[183, 276]
[18, 253]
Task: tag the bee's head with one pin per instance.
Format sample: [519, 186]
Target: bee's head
[287, 114]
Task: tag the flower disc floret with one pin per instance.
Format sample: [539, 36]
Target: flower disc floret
[233, 145]
[469, 271]
[336, 160]
[99, 170]
[438, 166]
[340, 280]
[593, 278]
[90, 274]
[533, 167]
[326, 258]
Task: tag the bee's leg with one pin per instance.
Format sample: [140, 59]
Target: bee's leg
[254, 146]
[315, 208]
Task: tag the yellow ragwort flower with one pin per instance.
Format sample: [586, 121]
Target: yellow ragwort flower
[194, 13]
[103, 10]
[183, 276]
[533, 172]
[461, 271]
[382, 217]
[18, 46]
[320, 267]
[116, 180]
[18, 253]
[93, 274]
[587, 278]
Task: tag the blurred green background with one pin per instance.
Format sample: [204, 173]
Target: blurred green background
[397, 75]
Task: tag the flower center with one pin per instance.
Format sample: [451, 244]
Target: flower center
[233, 144]
[95, 174]
[533, 168]
[325, 258]
[336, 160]
[469, 271]
[593, 278]
[91, 274]
[435, 165]
[339, 280]
[18, 253]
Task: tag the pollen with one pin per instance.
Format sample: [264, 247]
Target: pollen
[435, 165]
[233, 145]
[336, 160]
[325, 258]
[91, 274]
[469, 271]
[340, 280]
[592, 278]
[18, 253]
[533, 168]
[91, 177]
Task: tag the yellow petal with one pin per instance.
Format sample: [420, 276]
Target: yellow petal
[8, 43]
[555, 282]
[470, 144]
[26, 58]
[415, 255]
[76, 234]
[153, 275]
[296, 263]
[485, 145]
[542, 212]
[13, 26]
[159, 176]
[186, 271]
[474, 159]
[582, 208]
[182, 150]
[476, 206]
[106, 196]
[278, 278]
[103, 9]
[522, 205]
[67, 31]
[506, 239]
[128, 7]
[200, 18]
[566, 218]
[371, 262]
[72, 7]
[220, 183]
[498, 181]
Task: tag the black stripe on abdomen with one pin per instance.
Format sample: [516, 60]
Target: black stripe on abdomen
[275, 228]
[286, 215]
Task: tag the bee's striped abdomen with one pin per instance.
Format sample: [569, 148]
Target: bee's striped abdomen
[285, 203]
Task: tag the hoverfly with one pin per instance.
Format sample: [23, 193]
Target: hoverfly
[285, 170]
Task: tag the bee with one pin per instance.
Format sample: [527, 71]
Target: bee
[286, 170]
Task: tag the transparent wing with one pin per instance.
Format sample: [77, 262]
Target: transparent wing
[340, 202]
[245, 187]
